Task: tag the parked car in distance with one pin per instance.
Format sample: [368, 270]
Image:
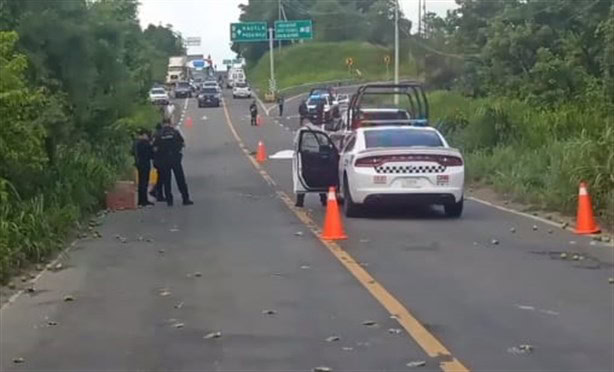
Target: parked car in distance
[241, 90]
[158, 96]
[209, 96]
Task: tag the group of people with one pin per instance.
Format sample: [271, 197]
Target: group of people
[165, 150]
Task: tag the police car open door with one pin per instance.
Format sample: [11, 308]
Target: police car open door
[318, 161]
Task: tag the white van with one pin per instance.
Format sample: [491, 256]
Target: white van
[235, 75]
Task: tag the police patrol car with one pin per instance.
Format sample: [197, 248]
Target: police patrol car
[395, 158]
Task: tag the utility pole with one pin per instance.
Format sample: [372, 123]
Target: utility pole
[424, 15]
[419, 18]
[272, 83]
[279, 19]
[396, 48]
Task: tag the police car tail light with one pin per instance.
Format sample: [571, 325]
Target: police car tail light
[449, 161]
[375, 161]
[370, 161]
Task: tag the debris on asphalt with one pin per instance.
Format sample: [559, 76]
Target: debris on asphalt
[198, 274]
[30, 289]
[165, 292]
[369, 323]
[305, 267]
[52, 323]
[69, 298]
[575, 257]
[269, 312]
[525, 307]
[520, 349]
[58, 266]
[333, 338]
[611, 280]
[211, 335]
[174, 229]
[550, 231]
[347, 348]
[395, 331]
[12, 286]
[535, 227]
[565, 225]
[32, 276]
[512, 230]
[572, 242]
[494, 242]
[322, 369]
[606, 239]
[97, 234]
[597, 238]
[140, 238]
[19, 360]
[299, 233]
[24, 279]
[38, 267]
[364, 264]
[178, 325]
[549, 312]
[149, 240]
[416, 363]
[563, 255]
[161, 251]
[178, 306]
[394, 316]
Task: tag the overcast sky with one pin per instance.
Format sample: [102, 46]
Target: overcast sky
[210, 19]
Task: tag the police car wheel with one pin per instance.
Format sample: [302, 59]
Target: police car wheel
[454, 210]
[350, 209]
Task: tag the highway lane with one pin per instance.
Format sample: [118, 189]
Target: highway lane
[141, 305]
[147, 304]
[480, 299]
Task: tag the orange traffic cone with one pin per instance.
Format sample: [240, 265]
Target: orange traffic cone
[188, 122]
[261, 153]
[333, 226]
[585, 221]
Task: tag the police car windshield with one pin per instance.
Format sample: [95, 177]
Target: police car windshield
[209, 90]
[317, 100]
[401, 138]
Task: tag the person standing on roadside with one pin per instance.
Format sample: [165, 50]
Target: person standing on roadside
[320, 113]
[169, 145]
[302, 112]
[253, 111]
[280, 104]
[157, 191]
[142, 156]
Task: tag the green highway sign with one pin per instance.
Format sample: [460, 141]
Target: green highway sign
[248, 31]
[294, 30]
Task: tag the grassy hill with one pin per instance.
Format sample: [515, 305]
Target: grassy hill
[321, 61]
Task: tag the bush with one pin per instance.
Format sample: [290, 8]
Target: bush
[534, 155]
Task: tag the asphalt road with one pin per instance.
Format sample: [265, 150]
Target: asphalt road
[240, 251]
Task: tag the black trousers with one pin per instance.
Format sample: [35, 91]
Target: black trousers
[173, 167]
[281, 110]
[143, 171]
[254, 122]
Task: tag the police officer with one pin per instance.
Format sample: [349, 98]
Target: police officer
[280, 104]
[253, 111]
[142, 156]
[168, 145]
[302, 112]
[320, 113]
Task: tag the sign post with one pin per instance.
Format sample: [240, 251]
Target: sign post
[272, 83]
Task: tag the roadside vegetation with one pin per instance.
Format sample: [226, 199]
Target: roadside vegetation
[525, 89]
[74, 77]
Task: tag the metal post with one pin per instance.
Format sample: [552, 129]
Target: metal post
[279, 19]
[272, 60]
[396, 48]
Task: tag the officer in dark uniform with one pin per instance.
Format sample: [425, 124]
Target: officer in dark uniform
[157, 191]
[142, 156]
[320, 113]
[280, 104]
[253, 111]
[302, 112]
[168, 146]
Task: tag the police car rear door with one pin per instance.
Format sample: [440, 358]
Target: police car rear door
[318, 160]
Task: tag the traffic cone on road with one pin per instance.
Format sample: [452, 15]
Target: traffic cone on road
[585, 221]
[261, 153]
[188, 122]
[333, 226]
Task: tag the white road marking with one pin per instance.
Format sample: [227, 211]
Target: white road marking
[204, 117]
[283, 154]
[537, 218]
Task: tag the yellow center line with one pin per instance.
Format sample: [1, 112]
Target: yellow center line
[426, 340]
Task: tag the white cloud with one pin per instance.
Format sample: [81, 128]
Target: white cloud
[208, 19]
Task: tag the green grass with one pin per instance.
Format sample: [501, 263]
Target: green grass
[319, 62]
[533, 155]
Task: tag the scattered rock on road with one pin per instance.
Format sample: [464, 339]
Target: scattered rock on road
[19, 360]
[178, 325]
[520, 349]
[299, 233]
[416, 363]
[535, 228]
[563, 255]
[347, 348]
[369, 323]
[565, 225]
[395, 331]
[12, 286]
[305, 267]
[30, 289]
[165, 292]
[69, 298]
[198, 274]
[332, 339]
[512, 230]
[52, 323]
[179, 305]
[269, 312]
[494, 242]
[322, 369]
[611, 280]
